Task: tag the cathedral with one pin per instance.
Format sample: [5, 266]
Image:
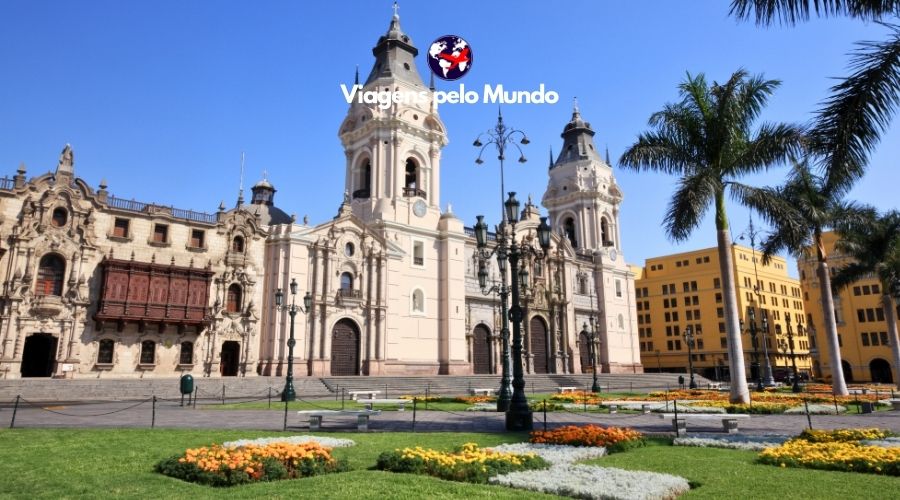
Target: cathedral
[99, 286]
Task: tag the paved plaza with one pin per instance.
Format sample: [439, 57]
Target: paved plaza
[169, 414]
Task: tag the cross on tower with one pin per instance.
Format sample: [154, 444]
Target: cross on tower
[396, 9]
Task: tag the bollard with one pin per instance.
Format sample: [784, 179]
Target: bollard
[337, 389]
[285, 416]
[677, 432]
[385, 391]
[545, 414]
[834, 398]
[667, 398]
[427, 393]
[584, 397]
[858, 406]
[153, 417]
[196, 389]
[808, 418]
[630, 387]
[270, 397]
[415, 399]
[12, 422]
[343, 394]
[223, 392]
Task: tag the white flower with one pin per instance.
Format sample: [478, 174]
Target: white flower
[889, 442]
[324, 441]
[588, 481]
[816, 409]
[554, 453]
[749, 443]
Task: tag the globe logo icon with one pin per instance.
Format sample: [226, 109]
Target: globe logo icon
[450, 57]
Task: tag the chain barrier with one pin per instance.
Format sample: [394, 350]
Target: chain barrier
[35, 405]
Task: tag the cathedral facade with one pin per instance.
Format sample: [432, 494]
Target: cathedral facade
[98, 286]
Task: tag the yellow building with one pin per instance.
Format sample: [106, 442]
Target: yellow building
[862, 331]
[684, 290]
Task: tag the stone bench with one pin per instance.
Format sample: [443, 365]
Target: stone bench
[614, 405]
[563, 390]
[371, 402]
[315, 417]
[354, 395]
[729, 420]
[482, 392]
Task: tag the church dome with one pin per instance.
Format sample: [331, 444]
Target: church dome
[262, 203]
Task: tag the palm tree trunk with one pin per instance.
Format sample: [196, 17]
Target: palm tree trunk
[887, 303]
[739, 393]
[838, 384]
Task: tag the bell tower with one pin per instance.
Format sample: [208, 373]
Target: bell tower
[582, 196]
[393, 149]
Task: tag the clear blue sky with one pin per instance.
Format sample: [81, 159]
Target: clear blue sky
[160, 98]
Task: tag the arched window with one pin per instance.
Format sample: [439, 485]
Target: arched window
[604, 233]
[186, 357]
[51, 270]
[237, 244]
[418, 301]
[233, 300]
[148, 352]
[60, 216]
[569, 229]
[105, 351]
[364, 183]
[346, 282]
[411, 174]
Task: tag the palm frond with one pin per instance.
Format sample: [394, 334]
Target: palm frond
[690, 203]
[849, 274]
[791, 12]
[852, 120]
[658, 152]
[772, 143]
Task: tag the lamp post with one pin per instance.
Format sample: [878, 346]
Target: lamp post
[751, 318]
[689, 339]
[501, 137]
[592, 335]
[288, 393]
[795, 387]
[518, 415]
[658, 362]
[769, 379]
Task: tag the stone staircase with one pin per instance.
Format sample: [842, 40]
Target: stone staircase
[235, 388]
[461, 385]
[242, 389]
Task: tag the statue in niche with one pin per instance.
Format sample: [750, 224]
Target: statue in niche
[67, 158]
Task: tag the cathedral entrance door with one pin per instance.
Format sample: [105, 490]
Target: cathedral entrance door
[231, 357]
[539, 345]
[345, 348]
[39, 355]
[481, 350]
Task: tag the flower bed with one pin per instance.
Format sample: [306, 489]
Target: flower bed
[556, 454]
[322, 440]
[837, 449]
[228, 466]
[843, 435]
[467, 463]
[747, 443]
[586, 481]
[816, 409]
[755, 408]
[834, 455]
[420, 398]
[612, 438]
[475, 399]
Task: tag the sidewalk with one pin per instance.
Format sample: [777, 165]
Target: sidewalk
[170, 415]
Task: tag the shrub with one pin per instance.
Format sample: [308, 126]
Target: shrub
[227, 466]
[467, 463]
[612, 438]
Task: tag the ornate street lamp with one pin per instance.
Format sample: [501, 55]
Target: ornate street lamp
[592, 350]
[795, 387]
[751, 318]
[769, 379]
[500, 250]
[288, 393]
[518, 415]
[689, 339]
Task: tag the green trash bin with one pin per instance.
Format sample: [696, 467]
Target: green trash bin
[868, 407]
[187, 384]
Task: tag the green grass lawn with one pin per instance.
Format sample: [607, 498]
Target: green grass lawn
[92, 463]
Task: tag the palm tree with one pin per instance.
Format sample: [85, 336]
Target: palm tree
[874, 244]
[707, 139]
[851, 121]
[800, 211]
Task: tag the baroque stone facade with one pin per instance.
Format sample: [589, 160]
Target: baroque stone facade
[95, 285]
[393, 277]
